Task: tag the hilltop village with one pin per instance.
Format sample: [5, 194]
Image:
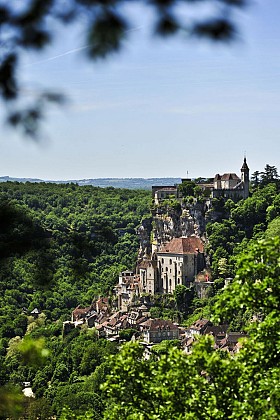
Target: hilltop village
[172, 254]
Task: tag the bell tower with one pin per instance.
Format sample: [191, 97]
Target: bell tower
[245, 178]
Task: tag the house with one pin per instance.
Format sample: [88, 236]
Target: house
[218, 332]
[148, 276]
[187, 344]
[157, 330]
[101, 305]
[231, 342]
[127, 289]
[177, 262]
[198, 327]
[87, 315]
[35, 313]
[163, 192]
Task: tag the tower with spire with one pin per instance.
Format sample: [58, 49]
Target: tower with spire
[245, 178]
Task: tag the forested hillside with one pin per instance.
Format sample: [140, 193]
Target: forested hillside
[70, 240]
[63, 245]
[244, 242]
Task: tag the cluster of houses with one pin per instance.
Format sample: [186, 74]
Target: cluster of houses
[108, 324]
[149, 331]
[180, 261]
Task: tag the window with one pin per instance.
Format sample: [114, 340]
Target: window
[170, 261]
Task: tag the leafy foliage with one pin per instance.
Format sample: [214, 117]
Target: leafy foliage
[209, 384]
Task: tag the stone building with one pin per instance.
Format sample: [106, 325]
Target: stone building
[127, 289]
[229, 185]
[162, 192]
[148, 276]
[157, 330]
[177, 262]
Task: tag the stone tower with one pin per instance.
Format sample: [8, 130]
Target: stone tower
[245, 178]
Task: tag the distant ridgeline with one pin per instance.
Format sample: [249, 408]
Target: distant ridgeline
[129, 183]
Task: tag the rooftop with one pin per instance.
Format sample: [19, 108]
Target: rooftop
[183, 245]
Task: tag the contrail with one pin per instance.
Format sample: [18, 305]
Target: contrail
[72, 51]
[58, 56]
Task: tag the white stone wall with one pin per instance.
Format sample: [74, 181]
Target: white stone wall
[175, 269]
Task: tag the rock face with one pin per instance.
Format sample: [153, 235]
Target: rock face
[174, 222]
[144, 233]
[171, 221]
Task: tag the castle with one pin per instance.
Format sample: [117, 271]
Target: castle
[228, 185]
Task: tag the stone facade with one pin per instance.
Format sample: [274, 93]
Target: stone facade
[127, 289]
[157, 330]
[231, 186]
[177, 262]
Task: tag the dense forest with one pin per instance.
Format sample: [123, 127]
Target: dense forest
[60, 246]
[63, 245]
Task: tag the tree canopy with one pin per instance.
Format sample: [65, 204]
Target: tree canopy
[211, 384]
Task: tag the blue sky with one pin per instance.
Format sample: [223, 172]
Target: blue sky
[160, 108]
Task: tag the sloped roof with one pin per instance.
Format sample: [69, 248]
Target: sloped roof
[200, 324]
[80, 311]
[227, 177]
[156, 324]
[216, 330]
[188, 245]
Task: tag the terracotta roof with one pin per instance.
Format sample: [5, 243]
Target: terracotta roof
[102, 304]
[199, 324]
[189, 245]
[231, 339]
[81, 311]
[156, 324]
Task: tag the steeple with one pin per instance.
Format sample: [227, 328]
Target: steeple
[245, 178]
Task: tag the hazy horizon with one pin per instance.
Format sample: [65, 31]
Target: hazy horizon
[160, 108]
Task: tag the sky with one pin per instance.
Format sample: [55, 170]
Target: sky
[159, 108]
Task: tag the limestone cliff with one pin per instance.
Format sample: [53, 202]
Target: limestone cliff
[144, 232]
[171, 220]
